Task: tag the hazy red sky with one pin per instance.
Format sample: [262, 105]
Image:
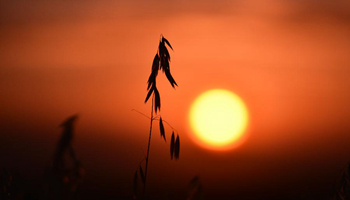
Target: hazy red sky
[288, 60]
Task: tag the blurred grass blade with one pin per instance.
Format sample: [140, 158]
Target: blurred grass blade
[135, 184]
[195, 189]
[177, 147]
[65, 140]
[142, 175]
[172, 145]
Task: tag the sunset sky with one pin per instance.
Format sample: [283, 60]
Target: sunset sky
[288, 60]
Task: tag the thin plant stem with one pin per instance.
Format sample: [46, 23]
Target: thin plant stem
[140, 113]
[149, 145]
[167, 123]
[156, 118]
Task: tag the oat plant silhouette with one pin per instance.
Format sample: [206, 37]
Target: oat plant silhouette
[161, 62]
[64, 177]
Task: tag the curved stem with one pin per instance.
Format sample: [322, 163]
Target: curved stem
[167, 123]
[156, 118]
[140, 113]
[149, 145]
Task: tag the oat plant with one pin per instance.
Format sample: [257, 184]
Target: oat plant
[63, 179]
[161, 62]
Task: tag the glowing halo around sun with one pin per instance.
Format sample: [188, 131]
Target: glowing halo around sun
[219, 119]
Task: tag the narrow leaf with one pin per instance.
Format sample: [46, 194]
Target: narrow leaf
[142, 175]
[164, 64]
[155, 65]
[135, 183]
[154, 73]
[161, 127]
[172, 145]
[152, 79]
[166, 54]
[170, 78]
[161, 49]
[167, 42]
[149, 93]
[177, 147]
[156, 100]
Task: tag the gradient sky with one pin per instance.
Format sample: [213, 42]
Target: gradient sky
[288, 60]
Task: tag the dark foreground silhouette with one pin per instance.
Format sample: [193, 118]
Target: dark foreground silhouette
[63, 178]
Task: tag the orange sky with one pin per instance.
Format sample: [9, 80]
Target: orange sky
[289, 61]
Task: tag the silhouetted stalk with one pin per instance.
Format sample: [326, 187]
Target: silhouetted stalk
[149, 145]
[161, 62]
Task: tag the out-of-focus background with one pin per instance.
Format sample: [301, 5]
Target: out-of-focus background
[288, 60]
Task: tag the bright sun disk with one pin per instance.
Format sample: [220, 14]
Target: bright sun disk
[218, 118]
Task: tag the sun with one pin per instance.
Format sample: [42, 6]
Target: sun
[218, 118]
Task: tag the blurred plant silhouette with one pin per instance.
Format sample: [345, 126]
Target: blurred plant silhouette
[342, 186]
[195, 189]
[10, 186]
[161, 61]
[63, 178]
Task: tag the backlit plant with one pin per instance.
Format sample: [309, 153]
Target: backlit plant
[161, 62]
